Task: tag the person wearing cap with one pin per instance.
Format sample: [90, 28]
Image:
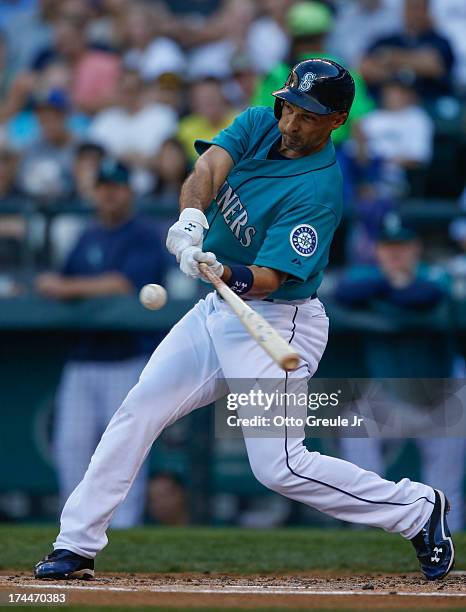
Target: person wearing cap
[309, 24]
[398, 278]
[45, 168]
[398, 286]
[116, 255]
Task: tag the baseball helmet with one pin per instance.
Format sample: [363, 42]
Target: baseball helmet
[317, 85]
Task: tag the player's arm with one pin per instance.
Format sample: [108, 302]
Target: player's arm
[264, 280]
[198, 191]
[202, 185]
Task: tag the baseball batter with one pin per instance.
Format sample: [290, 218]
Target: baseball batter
[260, 208]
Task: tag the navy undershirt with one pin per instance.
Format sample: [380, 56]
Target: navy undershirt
[274, 152]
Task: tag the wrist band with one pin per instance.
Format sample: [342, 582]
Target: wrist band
[241, 279]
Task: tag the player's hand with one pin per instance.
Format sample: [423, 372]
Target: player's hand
[188, 231]
[193, 256]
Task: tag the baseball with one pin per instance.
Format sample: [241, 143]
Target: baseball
[153, 296]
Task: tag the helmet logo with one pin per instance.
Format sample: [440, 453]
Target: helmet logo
[307, 81]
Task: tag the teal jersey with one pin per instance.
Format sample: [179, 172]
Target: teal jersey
[281, 214]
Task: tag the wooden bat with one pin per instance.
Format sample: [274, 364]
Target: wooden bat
[264, 334]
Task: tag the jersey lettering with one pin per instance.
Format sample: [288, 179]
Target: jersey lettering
[235, 215]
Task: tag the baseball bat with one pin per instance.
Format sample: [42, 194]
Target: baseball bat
[264, 334]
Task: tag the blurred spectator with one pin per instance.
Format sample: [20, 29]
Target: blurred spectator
[197, 7]
[148, 52]
[213, 46]
[5, 67]
[309, 24]
[241, 87]
[210, 113]
[417, 54]
[267, 40]
[23, 126]
[94, 71]
[87, 159]
[66, 228]
[12, 226]
[398, 279]
[170, 167]
[450, 20]
[398, 135]
[34, 21]
[132, 130]
[8, 163]
[169, 90]
[359, 23]
[401, 282]
[45, 169]
[456, 265]
[167, 500]
[117, 255]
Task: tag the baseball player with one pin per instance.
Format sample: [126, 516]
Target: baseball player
[260, 209]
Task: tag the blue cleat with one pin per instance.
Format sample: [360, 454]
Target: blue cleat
[433, 544]
[63, 564]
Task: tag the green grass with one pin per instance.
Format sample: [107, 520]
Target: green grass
[228, 550]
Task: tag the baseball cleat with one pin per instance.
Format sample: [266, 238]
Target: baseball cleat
[433, 544]
[63, 564]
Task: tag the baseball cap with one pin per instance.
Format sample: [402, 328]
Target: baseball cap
[309, 19]
[113, 171]
[393, 230]
[54, 98]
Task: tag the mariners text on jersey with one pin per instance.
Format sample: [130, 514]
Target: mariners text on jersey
[276, 213]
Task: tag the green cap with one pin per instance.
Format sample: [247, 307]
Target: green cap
[309, 19]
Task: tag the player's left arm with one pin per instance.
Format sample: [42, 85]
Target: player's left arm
[265, 280]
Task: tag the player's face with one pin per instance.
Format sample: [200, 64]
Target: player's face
[304, 132]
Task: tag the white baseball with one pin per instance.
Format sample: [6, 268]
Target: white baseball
[153, 296]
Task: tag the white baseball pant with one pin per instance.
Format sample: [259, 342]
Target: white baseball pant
[210, 344]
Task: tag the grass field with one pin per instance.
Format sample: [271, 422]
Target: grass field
[148, 557]
[241, 551]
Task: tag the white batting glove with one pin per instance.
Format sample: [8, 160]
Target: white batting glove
[191, 257]
[188, 231]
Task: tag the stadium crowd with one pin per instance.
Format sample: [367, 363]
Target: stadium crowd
[88, 83]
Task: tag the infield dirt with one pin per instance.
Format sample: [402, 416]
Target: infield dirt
[308, 591]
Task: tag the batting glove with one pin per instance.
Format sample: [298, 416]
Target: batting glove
[188, 231]
[193, 256]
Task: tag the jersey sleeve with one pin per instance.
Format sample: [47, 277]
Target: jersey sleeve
[234, 139]
[299, 241]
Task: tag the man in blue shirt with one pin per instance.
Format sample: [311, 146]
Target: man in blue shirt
[417, 55]
[116, 255]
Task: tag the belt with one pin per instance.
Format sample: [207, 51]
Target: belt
[312, 297]
[277, 301]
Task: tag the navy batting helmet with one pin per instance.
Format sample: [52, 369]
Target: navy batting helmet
[318, 85]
